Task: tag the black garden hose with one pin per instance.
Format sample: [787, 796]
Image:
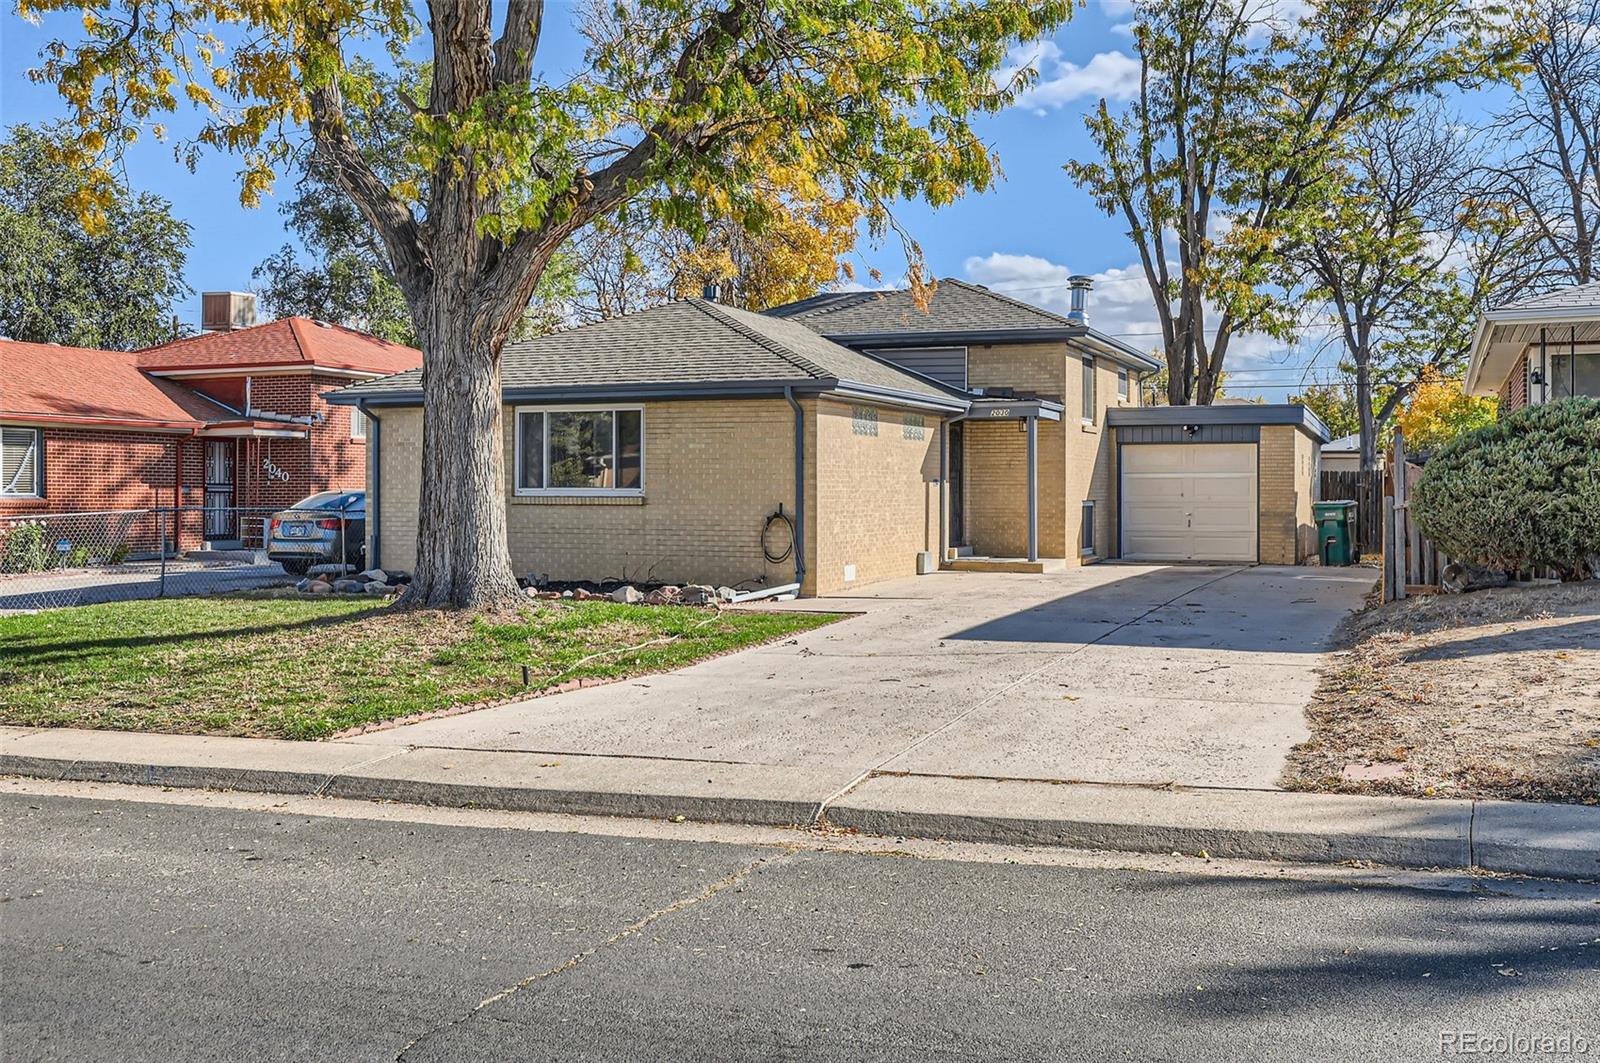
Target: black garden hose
[782, 518]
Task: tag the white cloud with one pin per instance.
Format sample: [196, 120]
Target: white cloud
[1109, 75]
[1119, 305]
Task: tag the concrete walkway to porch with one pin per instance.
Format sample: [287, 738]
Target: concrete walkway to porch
[1109, 673]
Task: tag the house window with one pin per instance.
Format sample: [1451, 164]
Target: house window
[863, 420]
[914, 426]
[358, 424]
[20, 466]
[1574, 374]
[570, 451]
[1122, 384]
[1086, 534]
[1088, 390]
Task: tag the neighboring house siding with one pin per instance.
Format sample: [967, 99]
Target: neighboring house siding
[1514, 391]
[94, 471]
[326, 459]
[877, 496]
[1288, 467]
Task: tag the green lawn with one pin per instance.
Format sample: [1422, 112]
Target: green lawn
[309, 667]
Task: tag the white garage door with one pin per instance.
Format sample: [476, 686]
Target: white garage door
[1189, 502]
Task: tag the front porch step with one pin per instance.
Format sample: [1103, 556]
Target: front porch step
[1006, 564]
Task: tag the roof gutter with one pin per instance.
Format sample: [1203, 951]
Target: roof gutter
[355, 396]
[49, 419]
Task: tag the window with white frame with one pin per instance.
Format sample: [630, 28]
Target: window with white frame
[563, 450]
[20, 467]
[358, 424]
[1088, 391]
[1086, 535]
[1122, 384]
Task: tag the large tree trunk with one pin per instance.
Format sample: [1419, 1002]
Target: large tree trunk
[463, 558]
[1368, 423]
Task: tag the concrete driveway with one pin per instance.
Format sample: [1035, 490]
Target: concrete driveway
[1111, 673]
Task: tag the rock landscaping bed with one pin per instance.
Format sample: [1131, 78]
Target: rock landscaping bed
[1494, 694]
[286, 665]
[335, 579]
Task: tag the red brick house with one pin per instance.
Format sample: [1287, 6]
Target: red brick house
[227, 420]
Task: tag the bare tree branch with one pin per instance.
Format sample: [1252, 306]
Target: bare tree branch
[390, 218]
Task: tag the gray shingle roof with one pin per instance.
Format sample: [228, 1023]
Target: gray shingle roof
[682, 345]
[954, 306]
[1576, 297]
[957, 313]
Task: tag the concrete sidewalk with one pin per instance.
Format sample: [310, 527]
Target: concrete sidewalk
[1552, 841]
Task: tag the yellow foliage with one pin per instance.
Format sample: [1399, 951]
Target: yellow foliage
[1439, 411]
[803, 230]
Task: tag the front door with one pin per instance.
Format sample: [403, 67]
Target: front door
[222, 523]
[958, 481]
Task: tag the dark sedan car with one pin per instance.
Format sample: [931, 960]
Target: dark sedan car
[328, 528]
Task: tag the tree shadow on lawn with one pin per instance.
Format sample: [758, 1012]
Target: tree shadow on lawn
[47, 647]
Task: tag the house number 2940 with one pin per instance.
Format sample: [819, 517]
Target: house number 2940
[272, 471]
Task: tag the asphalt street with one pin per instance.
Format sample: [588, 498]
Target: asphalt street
[135, 930]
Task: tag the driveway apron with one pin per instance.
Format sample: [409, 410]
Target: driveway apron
[1110, 673]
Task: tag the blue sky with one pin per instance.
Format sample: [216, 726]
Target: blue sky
[1024, 237]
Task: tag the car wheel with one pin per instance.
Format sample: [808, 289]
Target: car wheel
[296, 568]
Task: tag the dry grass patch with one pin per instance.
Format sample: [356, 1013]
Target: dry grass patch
[1494, 694]
[291, 667]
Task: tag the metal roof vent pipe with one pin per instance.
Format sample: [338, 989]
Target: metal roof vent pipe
[1079, 285]
[708, 292]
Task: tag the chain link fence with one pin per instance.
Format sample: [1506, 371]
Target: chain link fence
[55, 560]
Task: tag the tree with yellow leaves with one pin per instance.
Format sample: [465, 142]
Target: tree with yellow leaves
[1440, 411]
[676, 100]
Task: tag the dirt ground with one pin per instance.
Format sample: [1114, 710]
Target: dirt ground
[1493, 694]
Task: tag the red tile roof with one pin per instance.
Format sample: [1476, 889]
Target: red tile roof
[286, 341]
[44, 382]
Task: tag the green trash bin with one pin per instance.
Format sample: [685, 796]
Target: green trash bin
[1336, 532]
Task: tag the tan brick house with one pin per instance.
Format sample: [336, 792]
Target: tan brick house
[881, 438]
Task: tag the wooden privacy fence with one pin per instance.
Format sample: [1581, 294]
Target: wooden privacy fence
[1365, 488]
[1411, 563]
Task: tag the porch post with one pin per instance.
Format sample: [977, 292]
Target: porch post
[1033, 488]
[944, 477]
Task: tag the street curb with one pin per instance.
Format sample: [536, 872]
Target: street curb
[752, 811]
[1287, 845]
[1540, 840]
